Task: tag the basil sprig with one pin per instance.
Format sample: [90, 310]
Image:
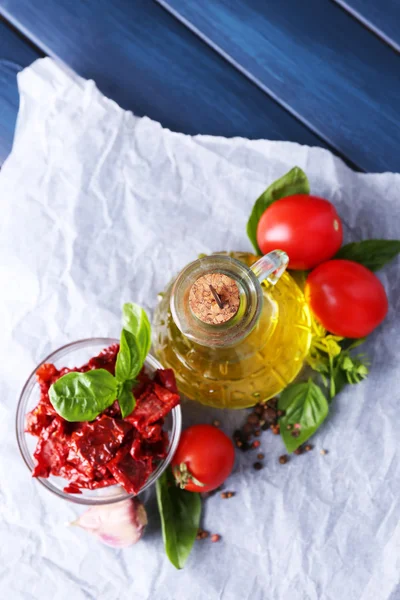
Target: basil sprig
[294, 182]
[373, 254]
[180, 513]
[83, 396]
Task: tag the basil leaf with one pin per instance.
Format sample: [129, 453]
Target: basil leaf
[294, 182]
[129, 360]
[126, 399]
[373, 254]
[135, 320]
[306, 408]
[180, 518]
[83, 396]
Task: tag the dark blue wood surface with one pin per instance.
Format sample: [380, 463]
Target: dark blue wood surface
[316, 60]
[381, 16]
[15, 54]
[148, 62]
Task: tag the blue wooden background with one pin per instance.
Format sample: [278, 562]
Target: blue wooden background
[321, 72]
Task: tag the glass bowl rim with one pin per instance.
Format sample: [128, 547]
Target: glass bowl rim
[24, 396]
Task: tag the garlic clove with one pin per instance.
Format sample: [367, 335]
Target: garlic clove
[118, 525]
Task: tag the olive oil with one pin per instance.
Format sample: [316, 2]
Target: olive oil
[252, 357]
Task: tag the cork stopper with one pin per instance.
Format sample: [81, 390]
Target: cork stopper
[214, 298]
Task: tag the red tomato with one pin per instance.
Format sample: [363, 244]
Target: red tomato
[307, 228]
[206, 454]
[346, 298]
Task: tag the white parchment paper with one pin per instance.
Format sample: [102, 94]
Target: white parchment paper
[98, 208]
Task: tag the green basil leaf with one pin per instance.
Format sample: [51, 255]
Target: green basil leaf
[126, 399]
[305, 409]
[83, 396]
[180, 518]
[129, 360]
[373, 254]
[294, 182]
[135, 320]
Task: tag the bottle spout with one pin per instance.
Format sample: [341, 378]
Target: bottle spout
[271, 266]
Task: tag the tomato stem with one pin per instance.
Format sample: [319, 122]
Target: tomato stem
[183, 476]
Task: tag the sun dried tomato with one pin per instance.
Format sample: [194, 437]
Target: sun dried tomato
[108, 450]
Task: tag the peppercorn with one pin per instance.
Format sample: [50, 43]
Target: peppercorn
[258, 466]
[299, 450]
[215, 537]
[295, 434]
[256, 444]
[247, 429]
[283, 459]
[253, 419]
[201, 534]
[308, 447]
[258, 410]
[226, 495]
[260, 456]
[269, 415]
[257, 433]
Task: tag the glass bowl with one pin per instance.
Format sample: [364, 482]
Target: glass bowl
[72, 355]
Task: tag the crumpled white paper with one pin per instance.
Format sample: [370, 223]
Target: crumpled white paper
[98, 208]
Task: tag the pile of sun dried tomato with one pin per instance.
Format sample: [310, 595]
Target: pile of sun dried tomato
[110, 449]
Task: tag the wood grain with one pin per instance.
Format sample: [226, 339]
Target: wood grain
[318, 62]
[15, 54]
[380, 16]
[148, 62]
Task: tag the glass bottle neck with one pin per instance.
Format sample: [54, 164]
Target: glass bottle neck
[237, 328]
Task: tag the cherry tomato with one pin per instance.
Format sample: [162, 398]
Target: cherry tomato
[306, 227]
[206, 455]
[346, 298]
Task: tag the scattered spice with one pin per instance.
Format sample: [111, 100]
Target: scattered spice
[202, 534]
[258, 409]
[295, 434]
[283, 459]
[256, 444]
[258, 466]
[248, 429]
[260, 456]
[257, 433]
[289, 427]
[275, 429]
[280, 413]
[323, 452]
[216, 423]
[215, 537]
[299, 450]
[308, 447]
[226, 495]
[253, 419]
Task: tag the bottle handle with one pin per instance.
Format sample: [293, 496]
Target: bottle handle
[271, 266]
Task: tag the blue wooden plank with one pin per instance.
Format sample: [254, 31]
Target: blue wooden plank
[148, 62]
[382, 17]
[318, 61]
[15, 54]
